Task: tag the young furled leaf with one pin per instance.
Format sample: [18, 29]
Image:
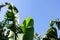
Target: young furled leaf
[28, 29]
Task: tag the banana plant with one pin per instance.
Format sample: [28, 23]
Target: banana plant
[10, 20]
[11, 16]
[28, 29]
[51, 34]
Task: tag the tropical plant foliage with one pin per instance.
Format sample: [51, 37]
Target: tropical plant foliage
[27, 28]
[10, 22]
[51, 33]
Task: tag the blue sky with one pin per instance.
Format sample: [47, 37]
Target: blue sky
[42, 11]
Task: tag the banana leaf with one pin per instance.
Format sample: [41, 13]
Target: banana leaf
[52, 33]
[28, 29]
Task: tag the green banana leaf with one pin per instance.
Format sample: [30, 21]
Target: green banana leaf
[52, 33]
[28, 29]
